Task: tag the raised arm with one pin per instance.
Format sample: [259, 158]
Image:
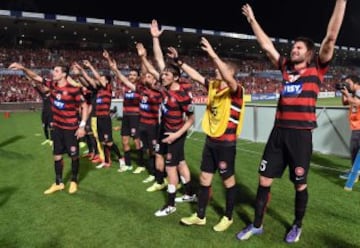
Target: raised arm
[263, 39]
[29, 73]
[227, 73]
[84, 78]
[98, 78]
[328, 44]
[145, 62]
[117, 72]
[193, 74]
[158, 54]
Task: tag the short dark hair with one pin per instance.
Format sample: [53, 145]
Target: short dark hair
[354, 78]
[174, 69]
[309, 43]
[64, 68]
[134, 69]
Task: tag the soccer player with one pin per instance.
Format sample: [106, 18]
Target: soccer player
[290, 141]
[222, 124]
[130, 122]
[150, 100]
[102, 110]
[183, 168]
[91, 137]
[46, 114]
[176, 104]
[66, 101]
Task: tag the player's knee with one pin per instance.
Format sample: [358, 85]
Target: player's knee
[300, 187]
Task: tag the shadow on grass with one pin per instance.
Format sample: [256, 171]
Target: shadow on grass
[5, 194]
[325, 161]
[332, 242]
[11, 140]
[85, 167]
[8, 155]
[245, 197]
[330, 171]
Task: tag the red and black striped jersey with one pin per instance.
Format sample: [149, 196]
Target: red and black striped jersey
[150, 100]
[131, 101]
[103, 100]
[65, 106]
[173, 107]
[236, 109]
[87, 94]
[297, 103]
[186, 85]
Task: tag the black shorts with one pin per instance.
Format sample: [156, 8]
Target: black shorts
[174, 152]
[292, 147]
[148, 136]
[65, 141]
[160, 146]
[46, 117]
[216, 156]
[130, 126]
[104, 129]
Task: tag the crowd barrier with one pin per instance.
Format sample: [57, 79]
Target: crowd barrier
[332, 136]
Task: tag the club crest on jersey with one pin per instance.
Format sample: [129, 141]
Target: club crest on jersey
[58, 103]
[144, 99]
[293, 77]
[292, 89]
[98, 100]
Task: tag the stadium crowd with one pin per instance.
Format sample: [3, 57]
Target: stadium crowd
[256, 75]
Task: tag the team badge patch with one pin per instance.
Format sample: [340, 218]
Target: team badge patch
[299, 171]
[144, 99]
[222, 165]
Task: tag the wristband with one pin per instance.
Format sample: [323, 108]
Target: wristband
[178, 61]
[82, 124]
